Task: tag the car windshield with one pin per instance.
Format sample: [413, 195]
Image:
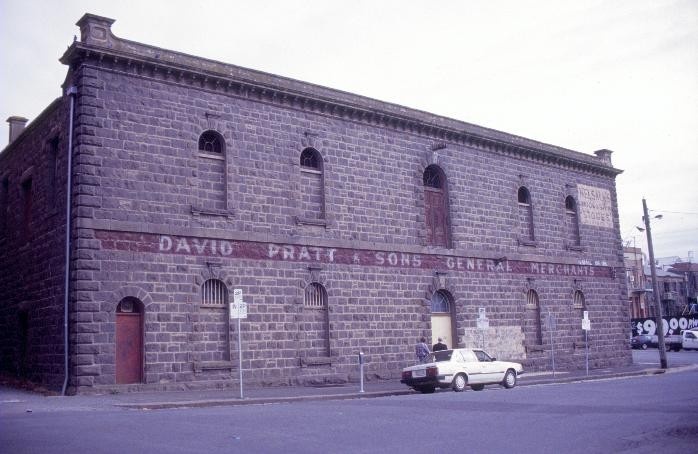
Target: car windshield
[442, 355]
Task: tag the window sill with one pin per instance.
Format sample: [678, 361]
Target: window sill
[317, 361]
[530, 348]
[197, 211]
[309, 221]
[218, 157]
[525, 242]
[200, 366]
[574, 247]
[580, 345]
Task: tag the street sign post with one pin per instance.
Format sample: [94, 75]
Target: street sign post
[551, 325]
[238, 310]
[586, 326]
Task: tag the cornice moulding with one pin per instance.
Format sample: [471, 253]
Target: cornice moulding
[100, 46]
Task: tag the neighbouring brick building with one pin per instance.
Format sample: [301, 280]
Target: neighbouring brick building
[347, 223]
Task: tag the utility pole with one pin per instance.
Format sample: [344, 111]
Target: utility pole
[655, 290]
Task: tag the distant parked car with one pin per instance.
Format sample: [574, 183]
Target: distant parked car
[690, 339]
[459, 368]
[643, 341]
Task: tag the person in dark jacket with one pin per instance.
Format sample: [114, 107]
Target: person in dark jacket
[439, 346]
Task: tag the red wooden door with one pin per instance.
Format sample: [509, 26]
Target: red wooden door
[129, 348]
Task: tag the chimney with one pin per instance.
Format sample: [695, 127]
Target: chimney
[96, 30]
[17, 125]
[604, 156]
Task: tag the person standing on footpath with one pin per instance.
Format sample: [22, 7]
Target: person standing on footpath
[421, 350]
[439, 346]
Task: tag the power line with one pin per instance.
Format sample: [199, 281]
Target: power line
[676, 212]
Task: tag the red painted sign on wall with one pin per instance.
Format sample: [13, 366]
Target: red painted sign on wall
[209, 247]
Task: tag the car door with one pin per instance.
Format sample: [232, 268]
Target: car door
[473, 367]
[491, 372]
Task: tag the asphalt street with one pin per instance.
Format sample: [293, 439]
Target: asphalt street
[642, 414]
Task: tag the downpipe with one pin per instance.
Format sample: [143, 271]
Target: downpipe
[72, 91]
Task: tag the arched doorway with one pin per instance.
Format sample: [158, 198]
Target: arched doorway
[441, 321]
[129, 341]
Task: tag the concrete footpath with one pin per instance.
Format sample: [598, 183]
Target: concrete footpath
[15, 400]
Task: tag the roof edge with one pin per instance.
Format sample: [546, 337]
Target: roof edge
[97, 37]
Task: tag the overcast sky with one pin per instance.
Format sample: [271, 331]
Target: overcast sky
[584, 75]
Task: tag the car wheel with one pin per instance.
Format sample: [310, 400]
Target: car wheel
[477, 387]
[460, 381]
[509, 379]
[426, 389]
[644, 346]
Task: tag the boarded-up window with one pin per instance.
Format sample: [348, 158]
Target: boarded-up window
[212, 174]
[212, 331]
[436, 207]
[314, 326]
[27, 202]
[52, 184]
[312, 194]
[4, 206]
[579, 306]
[525, 215]
[532, 320]
[571, 222]
[214, 293]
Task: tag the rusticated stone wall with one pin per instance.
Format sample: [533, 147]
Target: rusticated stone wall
[155, 220]
[32, 249]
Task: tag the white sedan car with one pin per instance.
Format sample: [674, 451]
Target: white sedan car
[459, 368]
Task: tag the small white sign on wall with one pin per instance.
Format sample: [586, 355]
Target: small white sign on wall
[238, 308]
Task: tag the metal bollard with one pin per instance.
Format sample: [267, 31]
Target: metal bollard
[361, 370]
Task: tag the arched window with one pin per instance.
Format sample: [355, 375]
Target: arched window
[437, 217]
[314, 323]
[311, 159]
[432, 178]
[524, 196]
[525, 214]
[212, 174]
[440, 303]
[315, 296]
[532, 329]
[571, 222]
[214, 293]
[211, 142]
[312, 191]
